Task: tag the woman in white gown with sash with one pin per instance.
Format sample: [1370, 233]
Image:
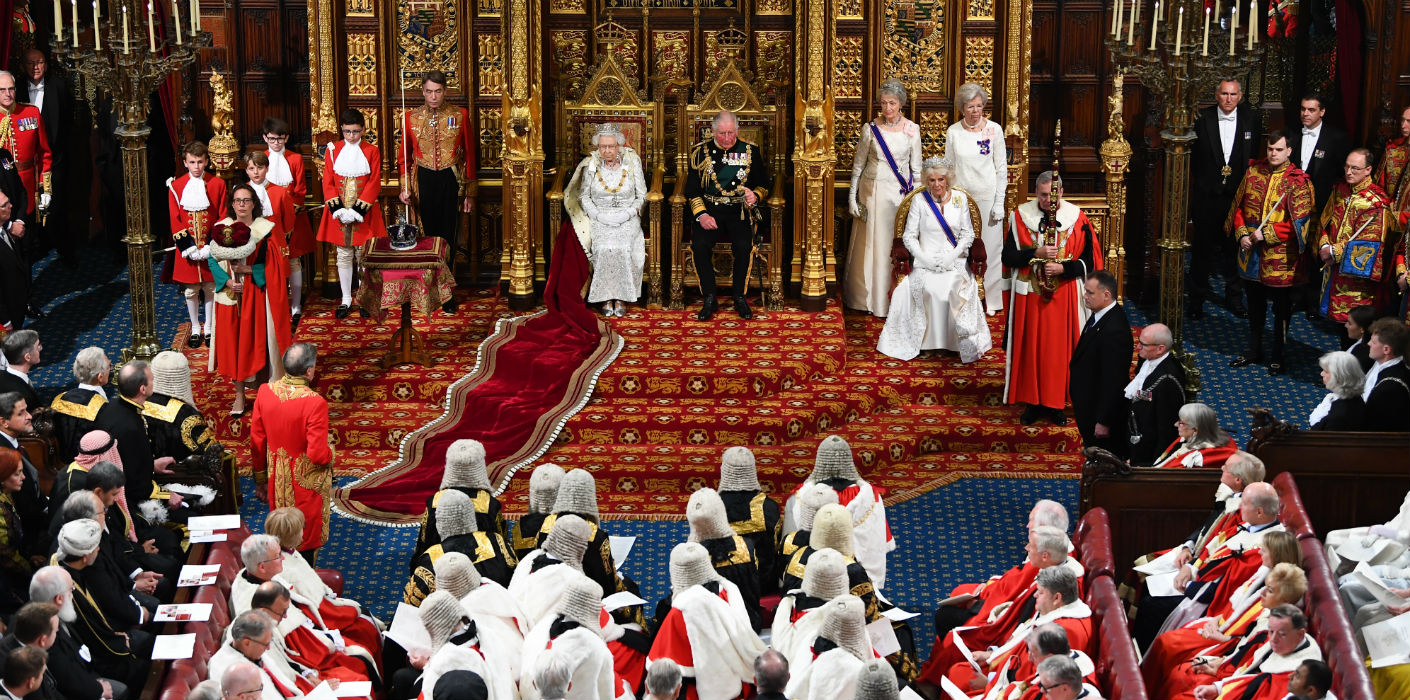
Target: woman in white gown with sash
[976, 146]
[936, 306]
[604, 200]
[885, 168]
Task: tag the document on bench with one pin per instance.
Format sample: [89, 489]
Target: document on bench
[1163, 584]
[1375, 586]
[621, 547]
[214, 522]
[1162, 564]
[197, 575]
[207, 536]
[1389, 642]
[883, 637]
[173, 646]
[184, 612]
[407, 629]
[952, 691]
[1355, 549]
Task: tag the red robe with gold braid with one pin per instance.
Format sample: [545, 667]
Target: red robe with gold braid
[1393, 176]
[1044, 328]
[1179, 647]
[193, 228]
[300, 237]
[247, 324]
[437, 144]
[1283, 198]
[340, 192]
[1075, 618]
[291, 453]
[22, 134]
[1362, 214]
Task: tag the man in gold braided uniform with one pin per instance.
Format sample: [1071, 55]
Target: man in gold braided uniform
[437, 160]
[1271, 209]
[1351, 239]
[22, 134]
[727, 181]
[76, 409]
[455, 521]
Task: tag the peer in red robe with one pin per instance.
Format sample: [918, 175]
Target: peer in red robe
[1049, 250]
[292, 455]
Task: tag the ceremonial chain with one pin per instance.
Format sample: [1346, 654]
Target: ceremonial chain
[620, 183]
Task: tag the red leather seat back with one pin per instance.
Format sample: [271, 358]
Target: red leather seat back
[331, 578]
[220, 606]
[1118, 672]
[1330, 626]
[1293, 515]
[1093, 543]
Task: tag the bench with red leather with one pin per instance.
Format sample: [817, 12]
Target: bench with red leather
[1329, 625]
[1092, 540]
[1293, 515]
[1118, 671]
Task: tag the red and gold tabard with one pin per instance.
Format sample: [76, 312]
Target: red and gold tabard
[354, 193]
[1354, 224]
[438, 139]
[193, 228]
[291, 453]
[1393, 176]
[1280, 199]
[300, 237]
[22, 134]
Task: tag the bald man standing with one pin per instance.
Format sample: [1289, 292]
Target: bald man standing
[1156, 394]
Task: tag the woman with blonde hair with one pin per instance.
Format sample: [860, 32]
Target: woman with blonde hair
[976, 146]
[885, 167]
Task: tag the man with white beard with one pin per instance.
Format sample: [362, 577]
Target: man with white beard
[75, 676]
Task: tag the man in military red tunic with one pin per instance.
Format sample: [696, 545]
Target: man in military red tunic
[352, 179]
[1351, 235]
[1271, 208]
[437, 160]
[195, 201]
[1049, 250]
[293, 460]
[22, 134]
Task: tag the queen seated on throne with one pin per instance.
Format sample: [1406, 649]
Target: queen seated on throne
[936, 306]
[604, 201]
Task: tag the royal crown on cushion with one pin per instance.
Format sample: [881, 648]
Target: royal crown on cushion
[403, 236]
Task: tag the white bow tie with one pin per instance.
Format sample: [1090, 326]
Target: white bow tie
[1228, 117]
[1308, 132]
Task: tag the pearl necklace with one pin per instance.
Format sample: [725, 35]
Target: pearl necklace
[886, 122]
[620, 181]
[976, 127]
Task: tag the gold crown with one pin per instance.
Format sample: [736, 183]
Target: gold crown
[611, 34]
[732, 40]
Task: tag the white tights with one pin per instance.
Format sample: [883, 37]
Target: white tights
[192, 292]
[347, 257]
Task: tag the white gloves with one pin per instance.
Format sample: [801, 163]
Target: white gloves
[44, 199]
[1384, 531]
[347, 216]
[197, 253]
[997, 213]
[852, 207]
[189, 252]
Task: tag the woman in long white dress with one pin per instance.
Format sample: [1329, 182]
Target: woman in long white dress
[936, 307]
[976, 146]
[879, 183]
[604, 201]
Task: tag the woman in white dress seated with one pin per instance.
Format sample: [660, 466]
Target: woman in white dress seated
[936, 307]
[604, 201]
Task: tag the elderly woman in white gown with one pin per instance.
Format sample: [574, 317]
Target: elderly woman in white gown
[604, 201]
[885, 168]
[976, 146]
[936, 307]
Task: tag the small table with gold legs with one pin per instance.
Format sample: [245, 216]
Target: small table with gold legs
[404, 279]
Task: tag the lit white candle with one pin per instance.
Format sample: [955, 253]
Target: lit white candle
[126, 49]
[1204, 50]
[196, 16]
[1155, 25]
[176, 20]
[1216, 9]
[97, 36]
[1252, 22]
[1116, 19]
[1131, 30]
[75, 22]
[58, 23]
[1233, 26]
[151, 27]
[1179, 29]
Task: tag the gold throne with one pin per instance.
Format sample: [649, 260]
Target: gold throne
[612, 96]
[759, 124]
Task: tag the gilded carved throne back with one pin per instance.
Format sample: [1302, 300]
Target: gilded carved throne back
[760, 123]
[611, 96]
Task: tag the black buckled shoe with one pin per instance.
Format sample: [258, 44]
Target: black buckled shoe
[343, 312]
[35, 311]
[193, 341]
[1244, 361]
[1276, 369]
[708, 309]
[741, 307]
[1057, 416]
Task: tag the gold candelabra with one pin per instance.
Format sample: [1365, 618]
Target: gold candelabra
[125, 49]
[1173, 46]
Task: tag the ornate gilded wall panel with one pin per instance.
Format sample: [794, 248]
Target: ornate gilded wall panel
[848, 123]
[979, 61]
[774, 7]
[362, 64]
[360, 8]
[849, 9]
[569, 57]
[981, 9]
[774, 55]
[491, 137]
[672, 51]
[489, 8]
[628, 55]
[491, 57]
[714, 53]
[369, 115]
[847, 68]
[932, 132]
[914, 45]
[570, 7]
[428, 33]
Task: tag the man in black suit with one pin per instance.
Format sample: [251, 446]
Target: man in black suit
[33, 506]
[1318, 149]
[1228, 136]
[1387, 392]
[1156, 394]
[15, 275]
[75, 677]
[123, 420]
[36, 625]
[21, 350]
[1100, 365]
[49, 92]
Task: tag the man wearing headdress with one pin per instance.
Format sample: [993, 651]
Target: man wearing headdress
[1049, 249]
[727, 182]
[437, 160]
[752, 514]
[464, 472]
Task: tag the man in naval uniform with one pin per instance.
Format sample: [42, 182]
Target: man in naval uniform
[438, 160]
[727, 182]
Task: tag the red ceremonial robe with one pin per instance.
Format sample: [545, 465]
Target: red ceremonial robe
[997, 590]
[304, 647]
[340, 192]
[301, 235]
[193, 228]
[1178, 456]
[1075, 618]
[292, 455]
[1044, 328]
[246, 324]
[1183, 679]
[356, 628]
[1180, 646]
[22, 134]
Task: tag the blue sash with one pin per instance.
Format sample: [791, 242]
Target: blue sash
[906, 182]
[943, 224]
